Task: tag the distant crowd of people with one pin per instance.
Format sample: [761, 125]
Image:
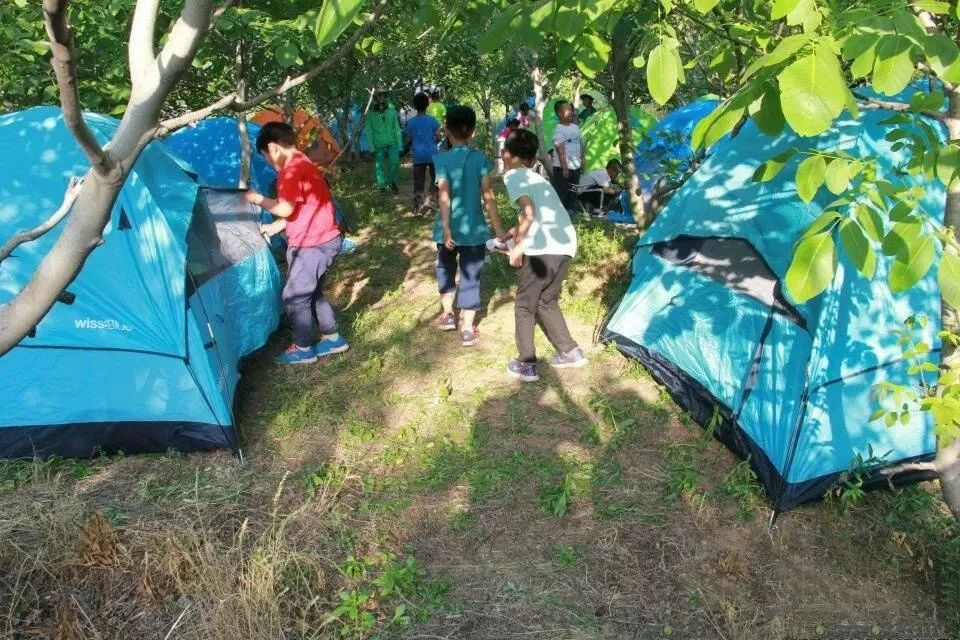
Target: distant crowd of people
[453, 180]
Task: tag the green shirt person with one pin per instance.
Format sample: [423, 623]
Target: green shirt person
[436, 108]
[588, 108]
[382, 129]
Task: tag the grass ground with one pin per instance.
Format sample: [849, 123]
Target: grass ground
[408, 489]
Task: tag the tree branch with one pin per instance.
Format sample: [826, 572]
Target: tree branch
[932, 466]
[712, 29]
[29, 235]
[64, 62]
[231, 101]
[140, 48]
[219, 12]
[356, 132]
[186, 35]
[903, 107]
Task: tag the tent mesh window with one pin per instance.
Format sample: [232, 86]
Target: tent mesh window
[224, 232]
[732, 262]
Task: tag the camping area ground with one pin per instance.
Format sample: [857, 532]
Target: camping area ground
[409, 489]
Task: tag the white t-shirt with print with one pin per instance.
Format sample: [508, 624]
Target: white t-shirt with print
[599, 178]
[569, 136]
[551, 233]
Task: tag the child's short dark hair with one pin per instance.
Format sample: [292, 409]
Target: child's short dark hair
[435, 94]
[513, 122]
[524, 106]
[614, 162]
[277, 132]
[461, 121]
[522, 144]
[421, 101]
[558, 106]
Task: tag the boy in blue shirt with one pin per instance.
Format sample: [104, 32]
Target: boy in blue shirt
[461, 231]
[424, 132]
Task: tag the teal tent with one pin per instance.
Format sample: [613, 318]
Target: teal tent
[142, 351]
[790, 384]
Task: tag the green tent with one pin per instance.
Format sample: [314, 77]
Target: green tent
[600, 135]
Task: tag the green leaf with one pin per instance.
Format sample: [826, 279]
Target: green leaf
[813, 267]
[921, 101]
[909, 267]
[933, 6]
[810, 176]
[781, 8]
[769, 169]
[863, 62]
[499, 30]
[943, 56]
[893, 68]
[334, 18]
[570, 22]
[838, 176]
[857, 248]
[784, 50]
[900, 238]
[949, 276]
[769, 115]
[806, 14]
[824, 222]
[593, 56]
[287, 54]
[948, 164]
[661, 74]
[704, 6]
[813, 91]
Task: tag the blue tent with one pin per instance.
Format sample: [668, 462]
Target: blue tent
[212, 148]
[143, 353]
[790, 383]
[665, 150]
[345, 133]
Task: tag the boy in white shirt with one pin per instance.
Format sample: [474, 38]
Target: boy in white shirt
[545, 243]
[602, 180]
[567, 153]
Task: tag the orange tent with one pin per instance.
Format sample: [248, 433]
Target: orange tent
[313, 138]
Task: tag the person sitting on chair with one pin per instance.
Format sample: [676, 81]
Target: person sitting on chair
[596, 184]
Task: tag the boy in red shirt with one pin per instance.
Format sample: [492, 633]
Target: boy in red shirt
[305, 209]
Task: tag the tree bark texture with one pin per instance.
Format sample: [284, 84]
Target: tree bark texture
[948, 456]
[622, 77]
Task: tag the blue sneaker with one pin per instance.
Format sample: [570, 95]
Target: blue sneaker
[297, 355]
[526, 371]
[328, 347]
[573, 359]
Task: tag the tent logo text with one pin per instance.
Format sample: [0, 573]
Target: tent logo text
[109, 325]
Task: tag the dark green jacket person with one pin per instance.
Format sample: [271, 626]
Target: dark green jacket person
[382, 129]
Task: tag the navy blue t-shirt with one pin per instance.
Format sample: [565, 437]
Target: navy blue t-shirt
[423, 132]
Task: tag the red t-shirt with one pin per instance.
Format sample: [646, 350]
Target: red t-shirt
[314, 220]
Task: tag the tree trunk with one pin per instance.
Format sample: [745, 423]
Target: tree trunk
[288, 107]
[243, 179]
[948, 456]
[576, 92]
[622, 75]
[81, 235]
[539, 91]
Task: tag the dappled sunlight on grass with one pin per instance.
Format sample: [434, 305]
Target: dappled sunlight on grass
[411, 472]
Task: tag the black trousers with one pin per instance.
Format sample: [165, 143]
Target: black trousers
[419, 181]
[538, 296]
[562, 185]
[591, 198]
